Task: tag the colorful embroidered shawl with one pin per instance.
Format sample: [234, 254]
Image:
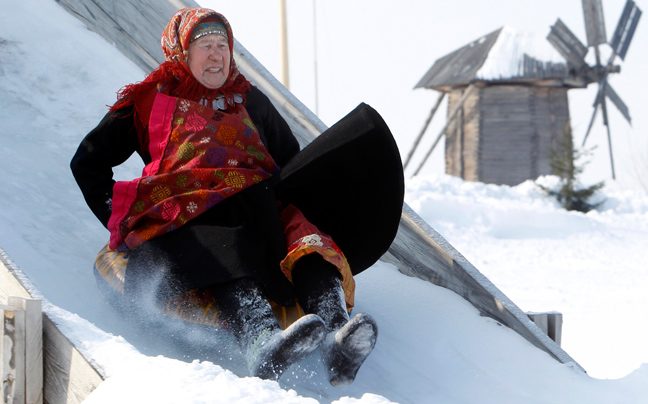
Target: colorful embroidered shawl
[199, 157]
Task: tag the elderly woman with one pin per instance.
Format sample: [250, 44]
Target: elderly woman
[207, 218]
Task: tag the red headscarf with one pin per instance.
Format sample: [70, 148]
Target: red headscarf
[174, 78]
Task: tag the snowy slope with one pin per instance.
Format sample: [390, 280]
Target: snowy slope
[56, 78]
[590, 267]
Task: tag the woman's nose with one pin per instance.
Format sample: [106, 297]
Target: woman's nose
[215, 55]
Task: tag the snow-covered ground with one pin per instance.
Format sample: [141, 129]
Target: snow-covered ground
[590, 267]
[55, 80]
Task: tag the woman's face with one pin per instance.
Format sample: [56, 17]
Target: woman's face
[209, 60]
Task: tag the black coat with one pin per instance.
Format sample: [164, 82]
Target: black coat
[348, 182]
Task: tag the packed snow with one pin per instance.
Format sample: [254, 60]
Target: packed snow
[56, 78]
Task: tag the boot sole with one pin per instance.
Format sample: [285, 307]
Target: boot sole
[348, 348]
[291, 346]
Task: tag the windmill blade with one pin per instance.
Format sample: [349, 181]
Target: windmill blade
[591, 122]
[568, 45]
[617, 101]
[594, 22]
[625, 30]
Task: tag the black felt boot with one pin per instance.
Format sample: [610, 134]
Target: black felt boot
[345, 350]
[268, 350]
[348, 342]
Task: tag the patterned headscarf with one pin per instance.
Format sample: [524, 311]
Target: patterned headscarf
[177, 36]
[173, 77]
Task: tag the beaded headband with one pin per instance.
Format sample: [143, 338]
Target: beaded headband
[208, 28]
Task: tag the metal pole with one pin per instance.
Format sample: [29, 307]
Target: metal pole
[283, 44]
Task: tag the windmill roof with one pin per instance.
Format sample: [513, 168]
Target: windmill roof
[503, 55]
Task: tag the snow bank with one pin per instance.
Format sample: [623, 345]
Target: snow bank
[590, 267]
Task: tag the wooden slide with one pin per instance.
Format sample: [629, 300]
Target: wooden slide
[135, 26]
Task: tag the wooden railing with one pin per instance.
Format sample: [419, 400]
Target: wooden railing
[39, 363]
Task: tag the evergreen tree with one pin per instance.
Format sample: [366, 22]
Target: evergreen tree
[563, 164]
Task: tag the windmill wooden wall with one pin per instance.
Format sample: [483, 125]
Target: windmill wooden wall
[504, 133]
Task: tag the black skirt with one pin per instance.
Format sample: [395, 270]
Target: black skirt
[239, 237]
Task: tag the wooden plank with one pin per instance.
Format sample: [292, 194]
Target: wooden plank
[103, 24]
[68, 377]
[33, 347]
[558, 106]
[507, 151]
[451, 153]
[460, 140]
[146, 29]
[550, 323]
[461, 151]
[12, 354]
[534, 139]
[451, 116]
[540, 319]
[425, 126]
[555, 323]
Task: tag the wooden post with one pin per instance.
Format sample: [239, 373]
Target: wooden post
[452, 115]
[283, 44]
[33, 309]
[425, 126]
[68, 378]
[12, 352]
[550, 323]
[460, 141]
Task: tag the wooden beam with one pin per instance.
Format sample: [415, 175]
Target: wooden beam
[460, 141]
[425, 126]
[68, 376]
[33, 309]
[550, 323]
[12, 354]
[105, 26]
[283, 44]
[451, 117]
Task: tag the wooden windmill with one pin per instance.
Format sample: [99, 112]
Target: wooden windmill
[507, 99]
[574, 51]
